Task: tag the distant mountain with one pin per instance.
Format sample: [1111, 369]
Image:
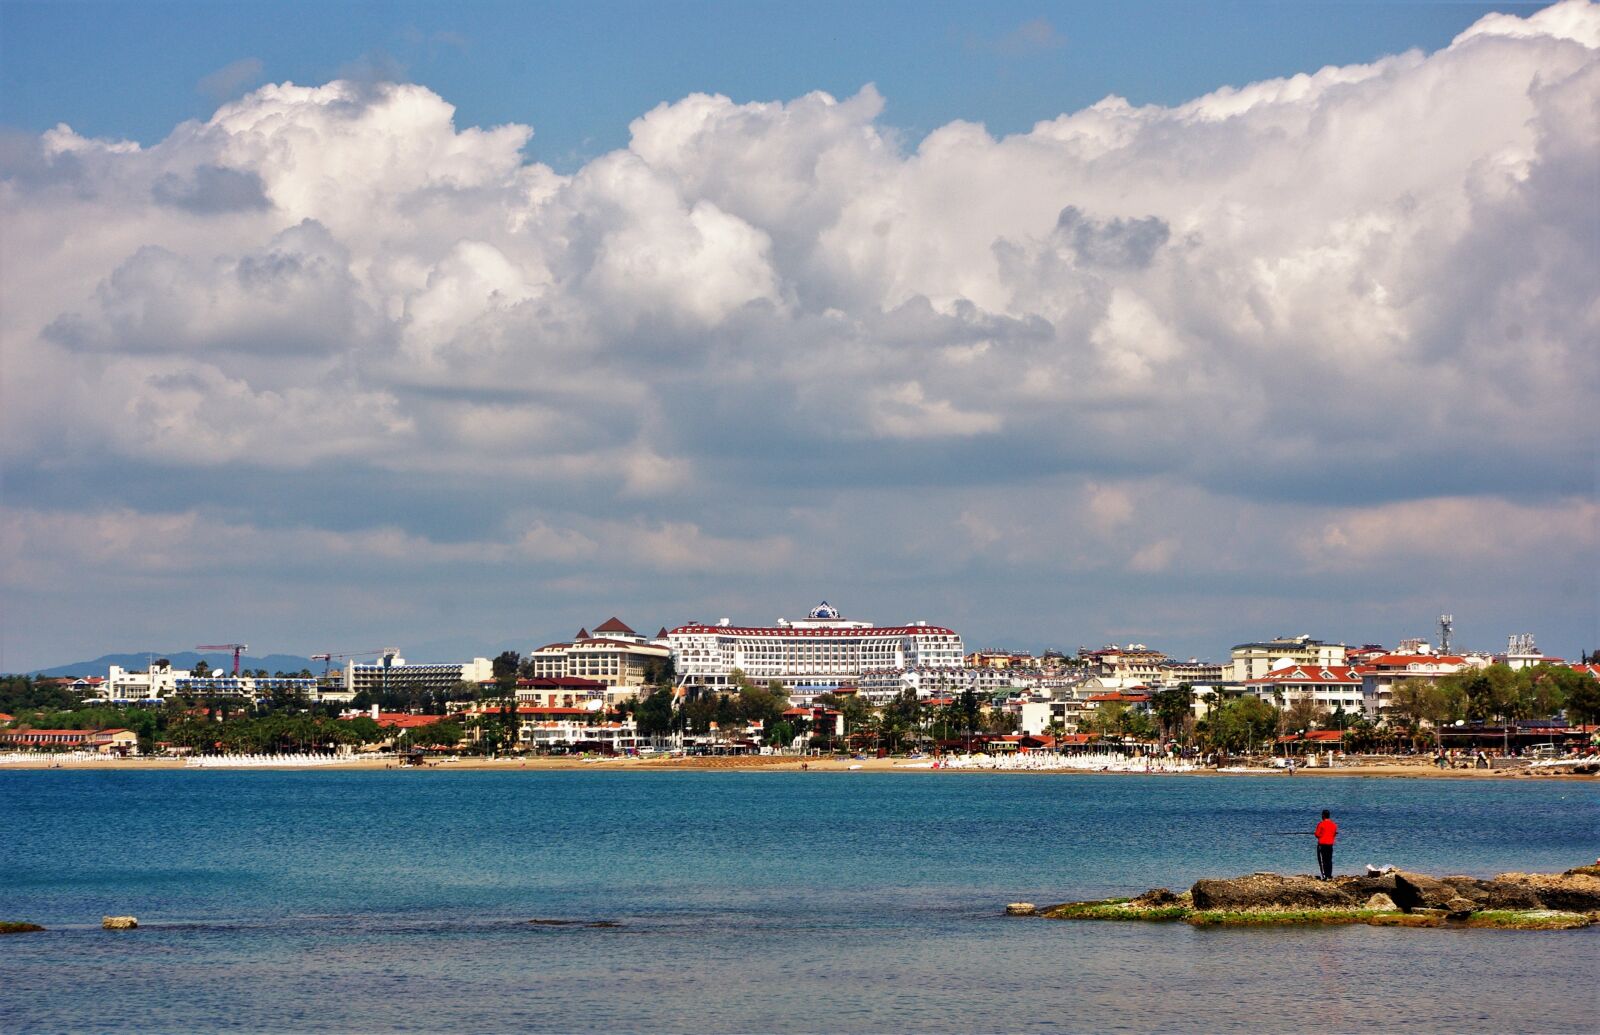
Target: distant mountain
[186, 659]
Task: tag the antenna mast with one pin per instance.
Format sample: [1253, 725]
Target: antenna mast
[1446, 624]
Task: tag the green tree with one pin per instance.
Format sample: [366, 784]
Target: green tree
[1240, 724]
[660, 672]
[1173, 706]
[969, 711]
[444, 733]
[1583, 701]
[654, 714]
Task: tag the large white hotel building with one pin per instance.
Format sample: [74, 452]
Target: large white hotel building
[820, 652]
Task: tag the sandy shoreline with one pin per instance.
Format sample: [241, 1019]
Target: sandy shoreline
[1419, 770]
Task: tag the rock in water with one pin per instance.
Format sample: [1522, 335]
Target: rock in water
[1381, 901]
[119, 923]
[1459, 908]
[1270, 890]
[1156, 898]
[18, 927]
[1575, 892]
[1021, 909]
[1419, 891]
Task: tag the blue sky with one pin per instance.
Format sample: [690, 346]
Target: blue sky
[503, 319]
[579, 73]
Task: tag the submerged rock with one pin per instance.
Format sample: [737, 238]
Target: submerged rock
[119, 923]
[17, 927]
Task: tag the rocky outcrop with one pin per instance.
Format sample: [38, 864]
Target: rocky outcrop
[119, 923]
[1270, 891]
[1571, 891]
[1514, 901]
[17, 927]
[1156, 898]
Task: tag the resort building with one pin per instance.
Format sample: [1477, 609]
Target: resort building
[219, 683]
[392, 672]
[578, 732]
[820, 652]
[1330, 687]
[1116, 665]
[562, 692]
[1138, 665]
[156, 682]
[1254, 660]
[879, 686]
[107, 742]
[1382, 674]
[613, 655]
[161, 681]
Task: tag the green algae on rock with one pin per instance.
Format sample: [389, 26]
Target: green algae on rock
[1516, 901]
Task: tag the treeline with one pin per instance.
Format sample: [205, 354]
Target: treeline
[1499, 694]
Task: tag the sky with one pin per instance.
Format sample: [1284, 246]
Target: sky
[458, 327]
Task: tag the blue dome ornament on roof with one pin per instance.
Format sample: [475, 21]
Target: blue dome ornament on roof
[824, 611]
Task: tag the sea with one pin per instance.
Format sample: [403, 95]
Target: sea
[752, 902]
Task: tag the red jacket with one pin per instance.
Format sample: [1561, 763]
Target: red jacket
[1326, 831]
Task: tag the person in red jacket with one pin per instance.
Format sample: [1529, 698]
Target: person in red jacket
[1327, 832]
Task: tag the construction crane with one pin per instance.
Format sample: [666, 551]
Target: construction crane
[237, 648]
[327, 658]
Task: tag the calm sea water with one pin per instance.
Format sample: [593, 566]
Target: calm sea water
[750, 902]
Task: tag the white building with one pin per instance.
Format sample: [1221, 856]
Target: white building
[819, 652]
[614, 655]
[1382, 674]
[1328, 686]
[565, 734]
[157, 682]
[161, 681]
[392, 672]
[1254, 660]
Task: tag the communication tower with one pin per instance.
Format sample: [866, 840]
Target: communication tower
[1447, 623]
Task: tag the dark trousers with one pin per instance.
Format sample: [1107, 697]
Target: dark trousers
[1325, 860]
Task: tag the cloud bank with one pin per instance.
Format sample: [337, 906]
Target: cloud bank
[1316, 349]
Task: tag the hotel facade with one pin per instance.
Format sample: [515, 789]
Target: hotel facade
[820, 652]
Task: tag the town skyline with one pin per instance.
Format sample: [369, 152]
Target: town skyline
[319, 349]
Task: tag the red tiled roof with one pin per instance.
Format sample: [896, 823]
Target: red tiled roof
[1118, 696]
[405, 720]
[1308, 674]
[608, 642]
[615, 625]
[778, 630]
[1402, 660]
[559, 683]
